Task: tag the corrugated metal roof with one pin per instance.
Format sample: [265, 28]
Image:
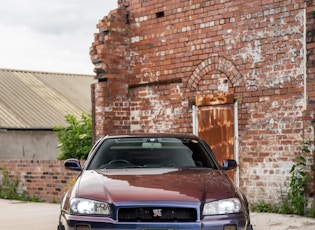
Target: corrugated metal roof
[40, 100]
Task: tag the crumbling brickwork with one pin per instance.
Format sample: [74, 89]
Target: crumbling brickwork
[152, 57]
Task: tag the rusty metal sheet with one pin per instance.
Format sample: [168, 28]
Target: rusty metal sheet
[216, 127]
[214, 99]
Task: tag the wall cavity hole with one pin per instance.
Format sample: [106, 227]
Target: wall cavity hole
[159, 14]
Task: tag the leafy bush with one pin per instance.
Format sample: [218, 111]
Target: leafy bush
[299, 183]
[263, 206]
[75, 141]
[9, 189]
[295, 201]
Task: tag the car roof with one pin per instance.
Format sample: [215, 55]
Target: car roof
[165, 135]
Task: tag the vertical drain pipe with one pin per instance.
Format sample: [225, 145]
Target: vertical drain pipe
[305, 58]
[195, 120]
[236, 144]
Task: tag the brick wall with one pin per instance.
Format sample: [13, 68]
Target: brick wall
[152, 57]
[310, 46]
[44, 179]
[310, 69]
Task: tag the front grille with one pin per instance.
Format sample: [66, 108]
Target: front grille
[157, 214]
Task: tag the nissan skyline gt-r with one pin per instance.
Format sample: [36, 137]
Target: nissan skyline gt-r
[150, 182]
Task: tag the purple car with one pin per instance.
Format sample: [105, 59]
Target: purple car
[151, 182]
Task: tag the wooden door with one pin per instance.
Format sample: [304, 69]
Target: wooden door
[216, 127]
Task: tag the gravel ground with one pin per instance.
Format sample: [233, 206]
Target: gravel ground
[270, 221]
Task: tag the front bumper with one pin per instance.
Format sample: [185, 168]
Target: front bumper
[232, 221]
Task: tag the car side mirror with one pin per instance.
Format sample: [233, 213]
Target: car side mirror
[229, 164]
[73, 164]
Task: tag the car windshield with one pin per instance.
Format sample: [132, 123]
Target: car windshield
[150, 152]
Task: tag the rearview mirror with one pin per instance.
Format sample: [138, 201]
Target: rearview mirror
[151, 145]
[229, 164]
[73, 164]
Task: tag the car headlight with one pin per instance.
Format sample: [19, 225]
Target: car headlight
[90, 207]
[232, 205]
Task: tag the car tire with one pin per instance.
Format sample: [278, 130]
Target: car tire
[60, 227]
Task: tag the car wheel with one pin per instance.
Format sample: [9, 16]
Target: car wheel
[60, 227]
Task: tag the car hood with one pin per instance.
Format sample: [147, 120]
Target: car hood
[125, 185]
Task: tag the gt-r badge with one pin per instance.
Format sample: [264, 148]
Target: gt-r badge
[157, 212]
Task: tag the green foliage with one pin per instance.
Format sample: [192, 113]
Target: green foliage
[295, 202]
[311, 210]
[285, 207]
[298, 183]
[9, 189]
[263, 206]
[75, 141]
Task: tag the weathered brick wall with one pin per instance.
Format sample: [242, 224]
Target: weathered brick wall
[111, 104]
[44, 179]
[152, 58]
[310, 69]
[310, 53]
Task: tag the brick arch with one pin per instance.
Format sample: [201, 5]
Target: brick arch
[214, 63]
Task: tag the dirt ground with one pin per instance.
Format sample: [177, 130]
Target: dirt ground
[270, 221]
